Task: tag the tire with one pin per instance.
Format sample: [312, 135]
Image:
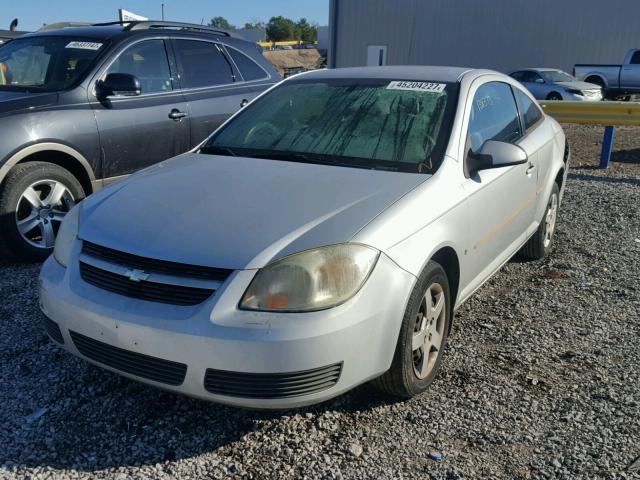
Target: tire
[540, 243]
[37, 195]
[410, 373]
[554, 96]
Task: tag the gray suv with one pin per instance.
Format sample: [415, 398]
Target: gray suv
[81, 107]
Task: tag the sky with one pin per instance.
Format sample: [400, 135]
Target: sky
[31, 14]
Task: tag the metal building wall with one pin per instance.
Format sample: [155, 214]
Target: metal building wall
[498, 34]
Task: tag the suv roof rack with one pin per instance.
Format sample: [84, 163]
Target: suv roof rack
[149, 24]
[59, 25]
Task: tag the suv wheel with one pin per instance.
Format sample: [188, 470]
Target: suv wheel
[34, 198]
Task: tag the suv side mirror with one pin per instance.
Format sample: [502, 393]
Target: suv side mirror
[494, 154]
[118, 85]
[539, 80]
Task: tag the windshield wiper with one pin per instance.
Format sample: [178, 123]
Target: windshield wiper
[216, 150]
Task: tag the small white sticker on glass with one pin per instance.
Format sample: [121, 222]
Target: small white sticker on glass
[417, 86]
[84, 45]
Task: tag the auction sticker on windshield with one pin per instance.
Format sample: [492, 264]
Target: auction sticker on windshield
[416, 86]
[84, 45]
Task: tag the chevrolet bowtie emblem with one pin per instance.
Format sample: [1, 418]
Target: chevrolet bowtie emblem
[136, 275]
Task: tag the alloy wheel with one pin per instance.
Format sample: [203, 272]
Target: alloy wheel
[550, 220]
[428, 332]
[40, 210]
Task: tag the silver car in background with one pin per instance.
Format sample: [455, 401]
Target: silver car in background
[320, 238]
[553, 84]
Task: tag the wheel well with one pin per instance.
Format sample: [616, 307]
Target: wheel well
[65, 161]
[448, 259]
[595, 79]
[560, 178]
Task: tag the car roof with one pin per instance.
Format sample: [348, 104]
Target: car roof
[396, 72]
[538, 69]
[90, 31]
[111, 30]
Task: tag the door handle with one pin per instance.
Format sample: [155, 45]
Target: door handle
[243, 102]
[531, 169]
[176, 114]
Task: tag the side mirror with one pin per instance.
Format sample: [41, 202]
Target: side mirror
[539, 80]
[118, 85]
[494, 154]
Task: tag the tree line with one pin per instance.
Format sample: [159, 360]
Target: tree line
[278, 29]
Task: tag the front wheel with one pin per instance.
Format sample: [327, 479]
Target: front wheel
[34, 198]
[422, 338]
[540, 244]
[554, 96]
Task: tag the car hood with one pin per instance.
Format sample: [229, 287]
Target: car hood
[237, 212]
[579, 85]
[11, 101]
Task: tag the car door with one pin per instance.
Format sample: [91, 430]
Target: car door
[630, 73]
[138, 131]
[210, 85]
[501, 201]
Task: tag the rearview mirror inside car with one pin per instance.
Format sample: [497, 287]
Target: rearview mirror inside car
[118, 85]
[495, 154]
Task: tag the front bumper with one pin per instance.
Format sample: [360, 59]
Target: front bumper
[218, 343]
[584, 98]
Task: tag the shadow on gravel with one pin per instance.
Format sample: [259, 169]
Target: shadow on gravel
[598, 178]
[631, 156]
[93, 420]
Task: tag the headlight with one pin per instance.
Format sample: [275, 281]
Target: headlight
[575, 92]
[311, 280]
[67, 234]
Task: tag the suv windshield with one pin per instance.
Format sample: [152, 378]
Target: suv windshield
[391, 125]
[552, 76]
[46, 64]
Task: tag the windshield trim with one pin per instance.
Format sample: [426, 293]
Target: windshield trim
[106, 44]
[437, 154]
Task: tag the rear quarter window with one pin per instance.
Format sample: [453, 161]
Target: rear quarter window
[249, 69]
[529, 110]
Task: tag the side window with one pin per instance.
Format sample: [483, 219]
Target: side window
[494, 116]
[249, 69]
[530, 112]
[148, 61]
[635, 58]
[203, 64]
[529, 77]
[519, 76]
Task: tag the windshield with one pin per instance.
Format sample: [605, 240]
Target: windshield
[391, 125]
[552, 76]
[46, 64]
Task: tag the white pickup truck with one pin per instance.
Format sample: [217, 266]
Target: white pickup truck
[615, 80]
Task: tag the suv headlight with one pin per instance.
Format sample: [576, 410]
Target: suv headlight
[311, 280]
[575, 92]
[67, 234]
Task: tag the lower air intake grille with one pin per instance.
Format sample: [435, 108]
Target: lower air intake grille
[271, 385]
[145, 366]
[144, 290]
[52, 328]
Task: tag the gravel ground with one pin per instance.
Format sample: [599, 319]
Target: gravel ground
[541, 379]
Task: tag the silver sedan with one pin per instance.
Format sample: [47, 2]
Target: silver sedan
[552, 84]
[321, 238]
